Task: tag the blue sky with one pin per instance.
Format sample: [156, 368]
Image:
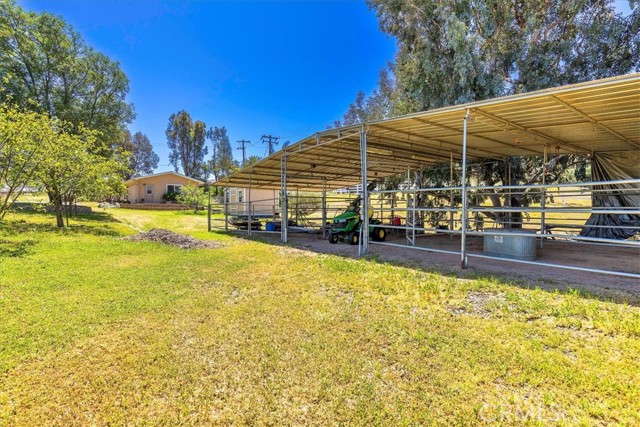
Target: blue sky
[283, 68]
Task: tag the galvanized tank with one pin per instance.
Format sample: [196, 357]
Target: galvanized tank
[511, 243]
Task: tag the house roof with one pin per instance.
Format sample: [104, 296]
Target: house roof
[133, 180]
[597, 116]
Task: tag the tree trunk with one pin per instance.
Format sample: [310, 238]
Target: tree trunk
[507, 220]
[67, 206]
[57, 203]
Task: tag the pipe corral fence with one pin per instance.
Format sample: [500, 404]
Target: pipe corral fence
[559, 214]
[311, 189]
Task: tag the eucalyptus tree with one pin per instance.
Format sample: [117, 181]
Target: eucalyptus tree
[186, 141]
[222, 162]
[142, 160]
[452, 52]
[381, 104]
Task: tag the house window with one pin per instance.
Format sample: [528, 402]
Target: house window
[173, 188]
[240, 196]
[148, 189]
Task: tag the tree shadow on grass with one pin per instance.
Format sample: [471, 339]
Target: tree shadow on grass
[13, 249]
[97, 224]
[13, 232]
[94, 216]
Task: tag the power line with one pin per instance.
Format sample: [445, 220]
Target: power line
[243, 143]
[270, 140]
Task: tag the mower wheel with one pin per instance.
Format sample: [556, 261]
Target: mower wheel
[379, 234]
[353, 238]
[333, 238]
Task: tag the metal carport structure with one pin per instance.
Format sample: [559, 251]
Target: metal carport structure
[601, 116]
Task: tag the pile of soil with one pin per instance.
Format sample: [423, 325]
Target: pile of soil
[170, 238]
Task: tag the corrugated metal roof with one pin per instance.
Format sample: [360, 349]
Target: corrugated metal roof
[596, 116]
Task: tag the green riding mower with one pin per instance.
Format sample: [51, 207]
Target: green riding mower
[346, 226]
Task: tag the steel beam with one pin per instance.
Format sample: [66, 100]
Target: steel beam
[463, 239]
[225, 194]
[284, 219]
[594, 121]
[531, 131]
[249, 207]
[458, 132]
[363, 244]
[493, 154]
[543, 200]
[324, 209]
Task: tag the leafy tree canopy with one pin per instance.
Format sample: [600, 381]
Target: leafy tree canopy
[47, 67]
[72, 169]
[452, 52]
[222, 162]
[192, 195]
[25, 137]
[38, 150]
[142, 160]
[251, 160]
[186, 141]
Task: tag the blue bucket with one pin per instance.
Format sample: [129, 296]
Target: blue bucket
[271, 226]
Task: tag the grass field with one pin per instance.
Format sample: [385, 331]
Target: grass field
[97, 330]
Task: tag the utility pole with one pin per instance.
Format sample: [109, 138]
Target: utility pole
[243, 146]
[271, 140]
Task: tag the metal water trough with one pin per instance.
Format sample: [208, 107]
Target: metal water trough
[511, 243]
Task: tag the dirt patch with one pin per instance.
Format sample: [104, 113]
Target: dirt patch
[480, 303]
[483, 302]
[293, 252]
[174, 239]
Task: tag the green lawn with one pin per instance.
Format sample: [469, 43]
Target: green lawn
[96, 330]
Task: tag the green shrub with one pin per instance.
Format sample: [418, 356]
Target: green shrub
[170, 196]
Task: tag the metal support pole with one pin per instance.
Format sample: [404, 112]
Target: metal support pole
[225, 194]
[543, 201]
[209, 208]
[364, 211]
[414, 219]
[451, 197]
[324, 208]
[463, 240]
[284, 218]
[410, 223]
[509, 214]
[297, 210]
[249, 220]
